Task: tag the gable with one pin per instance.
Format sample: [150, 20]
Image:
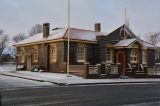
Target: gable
[117, 34]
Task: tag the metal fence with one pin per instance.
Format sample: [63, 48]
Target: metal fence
[8, 66]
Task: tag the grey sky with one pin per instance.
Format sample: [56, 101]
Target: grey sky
[20, 15]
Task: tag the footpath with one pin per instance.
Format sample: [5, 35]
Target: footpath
[65, 79]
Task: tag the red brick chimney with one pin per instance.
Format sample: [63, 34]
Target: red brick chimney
[46, 29]
[97, 27]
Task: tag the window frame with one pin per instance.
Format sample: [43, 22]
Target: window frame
[144, 56]
[134, 56]
[109, 57]
[34, 59]
[81, 58]
[53, 59]
[22, 55]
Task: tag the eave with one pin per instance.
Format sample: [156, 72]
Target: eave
[54, 41]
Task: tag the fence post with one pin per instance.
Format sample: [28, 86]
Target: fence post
[103, 68]
[86, 71]
[109, 70]
[99, 69]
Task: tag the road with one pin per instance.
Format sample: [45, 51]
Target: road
[95, 95]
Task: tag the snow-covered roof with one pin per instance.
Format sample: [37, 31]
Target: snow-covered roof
[125, 43]
[81, 34]
[55, 34]
[75, 34]
[148, 45]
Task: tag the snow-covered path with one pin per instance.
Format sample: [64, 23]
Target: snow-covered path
[7, 82]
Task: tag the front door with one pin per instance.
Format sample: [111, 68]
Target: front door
[121, 60]
[28, 62]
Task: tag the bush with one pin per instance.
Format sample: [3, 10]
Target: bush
[37, 67]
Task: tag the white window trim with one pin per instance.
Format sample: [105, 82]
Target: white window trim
[111, 55]
[133, 56]
[51, 57]
[144, 61]
[84, 52]
[35, 60]
[22, 55]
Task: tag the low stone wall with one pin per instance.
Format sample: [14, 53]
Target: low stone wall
[79, 70]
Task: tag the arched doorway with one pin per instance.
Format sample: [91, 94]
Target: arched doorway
[121, 59]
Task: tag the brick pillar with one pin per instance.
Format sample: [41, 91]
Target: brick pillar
[86, 71]
[65, 67]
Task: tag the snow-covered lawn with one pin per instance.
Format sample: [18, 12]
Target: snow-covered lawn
[7, 67]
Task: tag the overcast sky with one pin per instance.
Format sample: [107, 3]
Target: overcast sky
[18, 16]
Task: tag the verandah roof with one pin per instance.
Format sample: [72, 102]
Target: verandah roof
[125, 43]
[128, 42]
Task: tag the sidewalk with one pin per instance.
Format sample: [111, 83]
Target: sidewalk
[64, 79]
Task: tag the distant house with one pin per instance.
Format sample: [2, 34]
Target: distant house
[49, 50]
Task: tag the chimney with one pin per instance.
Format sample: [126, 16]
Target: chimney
[97, 27]
[46, 29]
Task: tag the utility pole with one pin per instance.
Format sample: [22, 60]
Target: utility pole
[68, 36]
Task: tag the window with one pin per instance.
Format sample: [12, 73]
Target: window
[21, 55]
[35, 54]
[53, 53]
[109, 55]
[144, 56]
[81, 53]
[133, 56]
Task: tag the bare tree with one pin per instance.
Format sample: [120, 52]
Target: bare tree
[19, 37]
[153, 37]
[4, 40]
[36, 29]
[1, 31]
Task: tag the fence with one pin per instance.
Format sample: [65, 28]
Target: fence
[77, 69]
[8, 66]
[93, 69]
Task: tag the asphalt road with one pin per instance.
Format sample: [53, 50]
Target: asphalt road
[97, 95]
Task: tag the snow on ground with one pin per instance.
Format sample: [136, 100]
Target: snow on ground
[7, 67]
[71, 79]
[63, 78]
[12, 82]
[57, 76]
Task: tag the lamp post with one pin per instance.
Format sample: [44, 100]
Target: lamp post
[68, 36]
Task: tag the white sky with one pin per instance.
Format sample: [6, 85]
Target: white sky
[18, 16]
